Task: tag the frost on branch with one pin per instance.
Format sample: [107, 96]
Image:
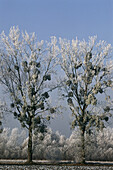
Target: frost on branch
[26, 69]
[54, 146]
[3, 111]
[89, 73]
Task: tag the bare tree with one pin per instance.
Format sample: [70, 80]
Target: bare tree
[26, 69]
[88, 69]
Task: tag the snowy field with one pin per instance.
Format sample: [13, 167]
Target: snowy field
[6, 166]
[53, 167]
[50, 167]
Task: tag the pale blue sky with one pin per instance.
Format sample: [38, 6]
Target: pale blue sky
[65, 18]
[62, 18]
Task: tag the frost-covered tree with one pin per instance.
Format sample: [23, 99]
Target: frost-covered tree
[54, 146]
[26, 68]
[88, 69]
[11, 143]
[3, 110]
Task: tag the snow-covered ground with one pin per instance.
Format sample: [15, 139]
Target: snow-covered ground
[49, 167]
[6, 165]
[10, 161]
[54, 167]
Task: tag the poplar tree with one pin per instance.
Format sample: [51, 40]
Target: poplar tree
[88, 70]
[26, 70]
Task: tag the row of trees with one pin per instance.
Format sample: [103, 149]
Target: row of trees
[27, 70]
[54, 146]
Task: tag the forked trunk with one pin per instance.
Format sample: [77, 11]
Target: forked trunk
[30, 143]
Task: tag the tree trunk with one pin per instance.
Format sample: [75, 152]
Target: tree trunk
[30, 142]
[83, 146]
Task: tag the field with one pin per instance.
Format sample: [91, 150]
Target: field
[56, 165]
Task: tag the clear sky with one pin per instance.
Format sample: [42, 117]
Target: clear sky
[65, 18]
[62, 18]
